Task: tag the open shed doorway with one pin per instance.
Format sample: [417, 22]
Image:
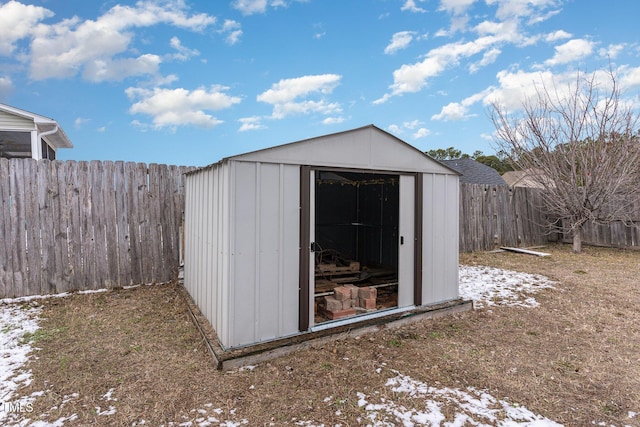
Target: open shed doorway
[356, 243]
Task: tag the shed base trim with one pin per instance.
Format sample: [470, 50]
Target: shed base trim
[226, 359]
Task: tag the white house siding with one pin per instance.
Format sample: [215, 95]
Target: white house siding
[440, 238]
[10, 121]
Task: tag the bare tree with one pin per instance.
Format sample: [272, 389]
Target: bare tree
[580, 142]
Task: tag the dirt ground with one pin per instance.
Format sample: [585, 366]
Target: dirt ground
[575, 359]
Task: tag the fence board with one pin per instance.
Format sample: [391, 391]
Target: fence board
[31, 181]
[122, 225]
[6, 250]
[18, 238]
[74, 228]
[154, 229]
[60, 227]
[135, 186]
[41, 229]
[110, 225]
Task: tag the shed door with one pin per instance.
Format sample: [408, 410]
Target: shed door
[360, 233]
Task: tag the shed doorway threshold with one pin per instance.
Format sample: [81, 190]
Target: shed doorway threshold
[234, 358]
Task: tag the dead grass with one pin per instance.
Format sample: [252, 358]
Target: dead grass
[575, 359]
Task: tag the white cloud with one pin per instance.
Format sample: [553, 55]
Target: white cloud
[410, 5]
[80, 121]
[456, 7]
[570, 51]
[287, 95]
[250, 7]
[17, 21]
[233, 31]
[557, 35]
[182, 52]
[412, 78]
[180, 107]
[399, 40]
[421, 133]
[629, 77]
[63, 49]
[455, 111]
[251, 123]
[489, 57]
[451, 112]
[531, 9]
[118, 69]
[332, 120]
[612, 51]
[394, 129]
[413, 126]
[6, 86]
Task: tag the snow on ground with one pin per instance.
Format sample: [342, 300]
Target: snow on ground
[15, 322]
[486, 286]
[471, 407]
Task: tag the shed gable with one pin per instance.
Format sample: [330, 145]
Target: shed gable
[364, 148]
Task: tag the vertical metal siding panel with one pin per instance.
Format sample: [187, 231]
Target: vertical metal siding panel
[227, 282]
[290, 244]
[453, 236]
[221, 244]
[268, 250]
[439, 236]
[212, 258]
[406, 252]
[207, 233]
[428, 247]
[445, 239]
[244, 263]
[188, 185]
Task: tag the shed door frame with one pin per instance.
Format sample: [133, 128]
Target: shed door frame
[307, 177]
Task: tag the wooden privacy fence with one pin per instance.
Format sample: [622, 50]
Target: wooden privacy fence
[68, 226]
[493, 216]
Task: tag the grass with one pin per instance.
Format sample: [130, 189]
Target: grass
[575, 359]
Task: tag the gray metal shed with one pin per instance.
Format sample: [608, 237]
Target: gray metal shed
[274, 237]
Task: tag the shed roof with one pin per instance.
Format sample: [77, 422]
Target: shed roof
[474, 172]
[367, 147]
[57, 137]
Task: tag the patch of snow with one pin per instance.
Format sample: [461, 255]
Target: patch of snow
[109, 411]
[471, 406]
[488, 286]
[15, 322]
[107, 395]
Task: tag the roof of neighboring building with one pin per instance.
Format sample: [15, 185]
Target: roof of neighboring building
[47, 127]
[474, 172]
[531, 178]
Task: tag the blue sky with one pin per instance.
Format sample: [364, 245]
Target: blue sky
[190, 82]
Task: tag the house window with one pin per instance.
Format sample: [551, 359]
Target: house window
[47, 151]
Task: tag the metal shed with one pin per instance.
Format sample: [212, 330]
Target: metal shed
[319, 233]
